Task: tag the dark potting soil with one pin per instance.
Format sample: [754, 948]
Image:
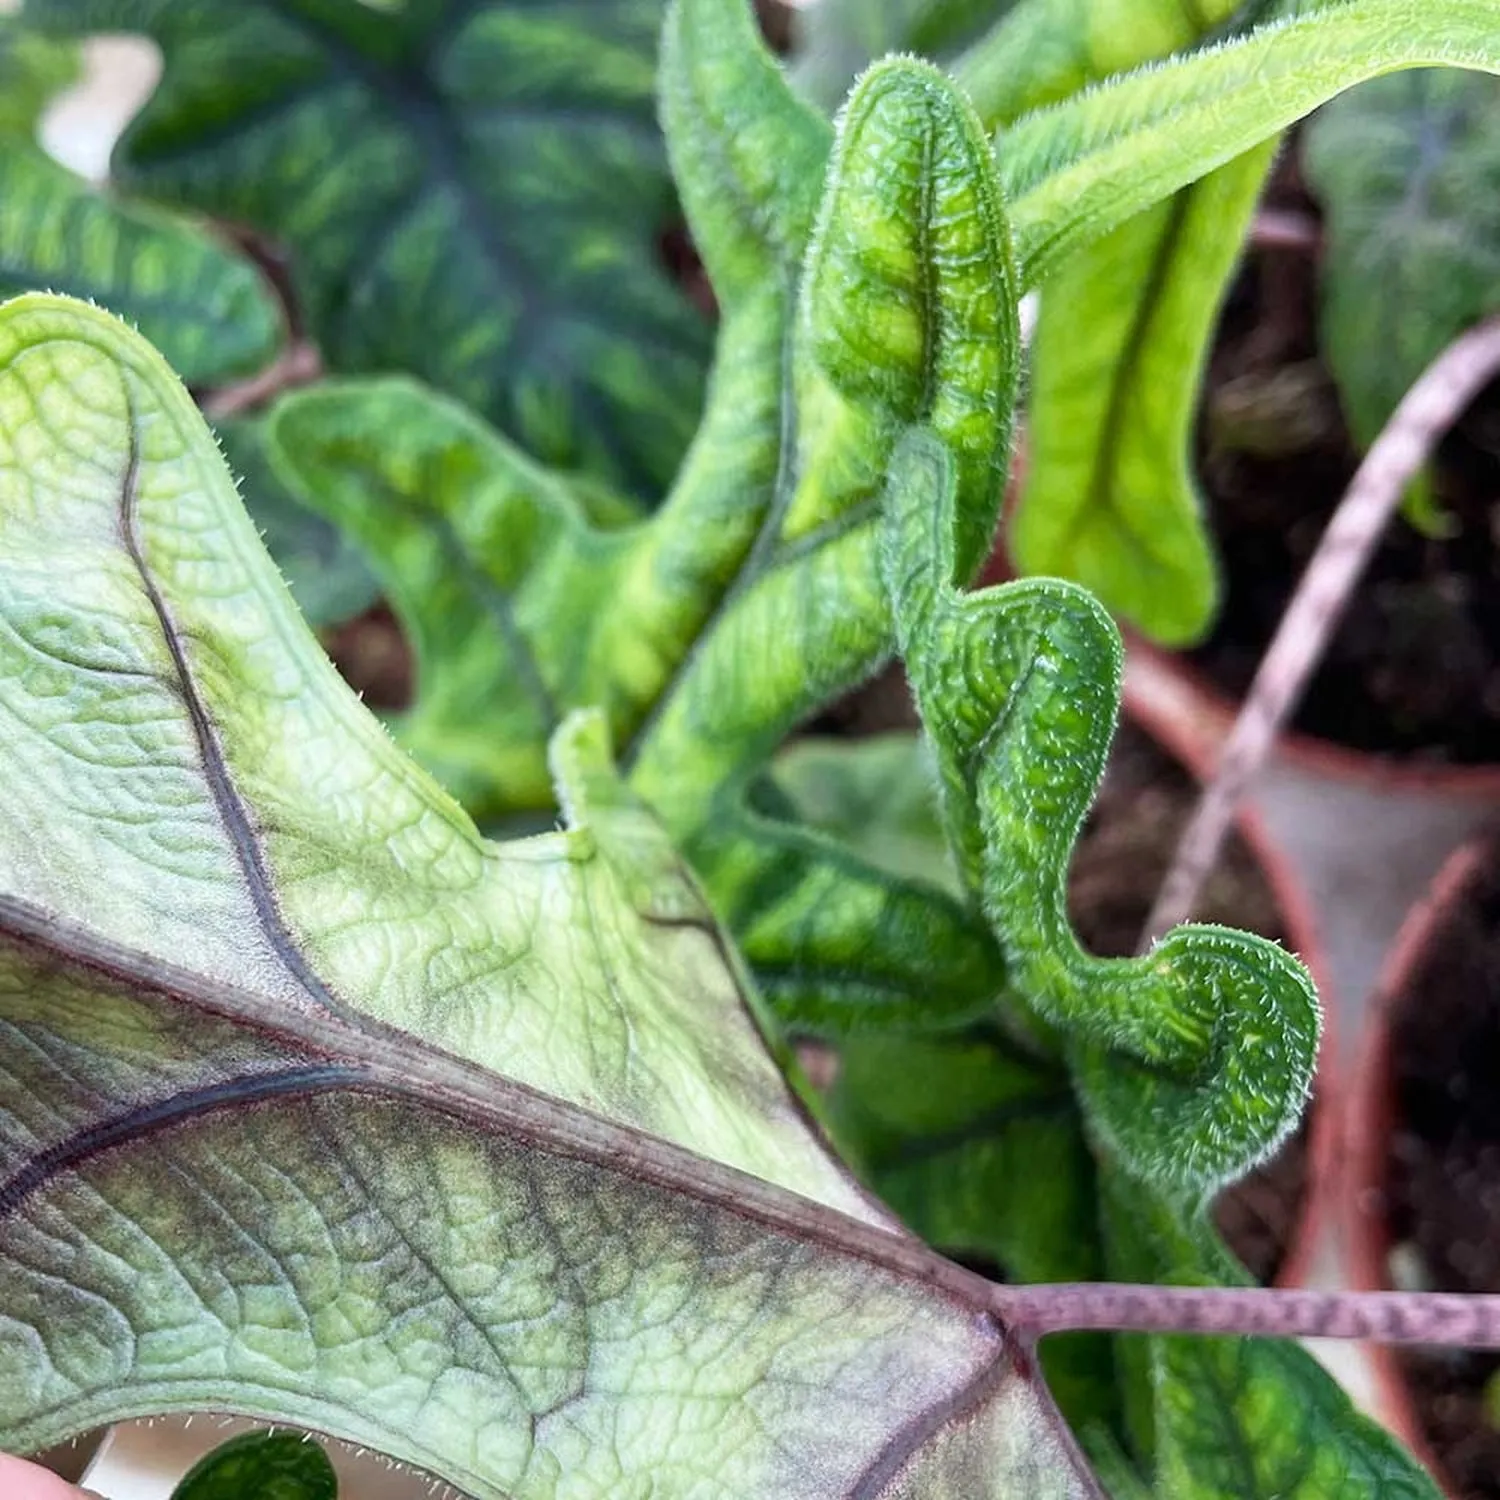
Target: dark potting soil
[1443, 1189]
[372, 656]
[1414, 668]
[1121, 858]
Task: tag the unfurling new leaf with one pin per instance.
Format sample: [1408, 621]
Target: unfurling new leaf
[1192, 1061]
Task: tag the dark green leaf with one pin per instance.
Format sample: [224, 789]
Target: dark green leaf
[1408, 171]
[208, 310]
[261, 1466]
[32, 70]
[474, 194]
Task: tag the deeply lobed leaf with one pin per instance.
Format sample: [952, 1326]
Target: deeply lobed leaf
[753, 596]
[321, 1109]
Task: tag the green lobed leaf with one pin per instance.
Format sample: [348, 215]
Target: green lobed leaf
[320, 1109]
[1407, 169]
[261, 1466]
[1191, 1062]
[1117, 357]
[1076, 171]
[1242, 1417]
[208, 310]
[473, 195]
[753, 596]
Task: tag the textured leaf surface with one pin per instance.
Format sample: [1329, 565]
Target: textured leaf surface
[1408, 172]
[473, 194]
[1076, 171]
[1117, 356]
[753, 596]
[261, 1466]
[1046, 50]
[319, 1108]
[205, 308]
[1191, 1062]
[1237, 1417]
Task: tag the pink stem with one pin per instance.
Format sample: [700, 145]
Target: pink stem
[1450, 1318]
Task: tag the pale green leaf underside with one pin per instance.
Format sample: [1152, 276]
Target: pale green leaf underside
[270, 1009]
[1117, 355]
[171, 725]
[1076, 171]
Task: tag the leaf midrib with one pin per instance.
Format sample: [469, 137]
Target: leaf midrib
[1101, 496]
[227, 801]
[364, 1054]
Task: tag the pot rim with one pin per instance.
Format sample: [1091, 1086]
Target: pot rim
[1369, 1116]
[1162, 674]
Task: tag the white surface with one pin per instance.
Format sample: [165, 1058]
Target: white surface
[81, 125]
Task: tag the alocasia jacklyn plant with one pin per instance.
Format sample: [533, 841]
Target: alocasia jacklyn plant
[318, 1105]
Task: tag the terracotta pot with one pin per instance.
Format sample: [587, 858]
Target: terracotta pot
[1166, 682]
[1369, 1117]
[1355, 839]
